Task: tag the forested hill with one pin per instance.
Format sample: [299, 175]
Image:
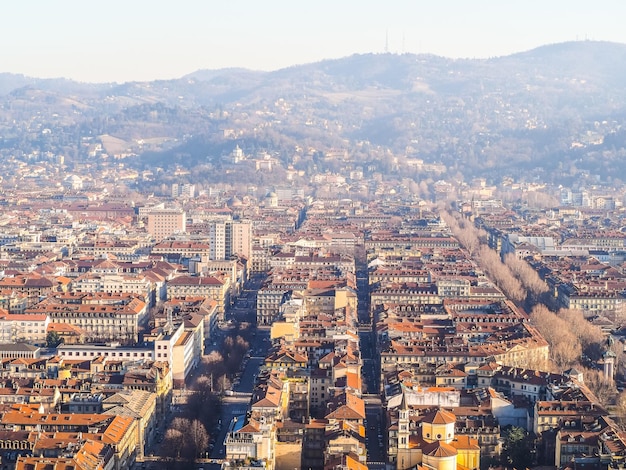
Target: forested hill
[556, 110]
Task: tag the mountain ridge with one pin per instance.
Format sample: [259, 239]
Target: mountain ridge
[210, 74]
[550, 107]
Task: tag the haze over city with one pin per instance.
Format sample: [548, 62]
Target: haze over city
[272, 235]
[119, 41]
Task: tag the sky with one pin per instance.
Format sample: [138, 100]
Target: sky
[143, 40]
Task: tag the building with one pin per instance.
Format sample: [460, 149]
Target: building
[22, 327]
[163, 223]
[432, 445]
[185, 190]
[230, 238]
[119, 321]
[209, 287]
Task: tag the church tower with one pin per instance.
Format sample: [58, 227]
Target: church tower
[403, 423]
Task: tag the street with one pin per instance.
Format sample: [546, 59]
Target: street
[237, 405]
[374, 435]
[229, 411]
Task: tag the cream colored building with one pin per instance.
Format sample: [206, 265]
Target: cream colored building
[22, 327]
[210, 287]
[165, 222]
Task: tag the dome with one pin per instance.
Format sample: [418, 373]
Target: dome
[440, 417]
[438, 426]
[235, 202]
[439, 449]
[440, 455]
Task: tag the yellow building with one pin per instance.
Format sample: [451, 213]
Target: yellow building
[436, 447]
[281, 329]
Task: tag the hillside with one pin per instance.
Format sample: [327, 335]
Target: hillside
[554, 111]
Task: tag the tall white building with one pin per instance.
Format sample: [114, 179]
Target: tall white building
[185, 190]
[229, 238]
[217, 240]
[240, 238]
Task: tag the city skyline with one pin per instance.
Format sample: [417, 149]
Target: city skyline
[144, 41]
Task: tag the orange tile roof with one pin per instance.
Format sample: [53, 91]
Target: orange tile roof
[439, 449]
[465, 443]
[32, 418]
[117, 429]
[440, 417]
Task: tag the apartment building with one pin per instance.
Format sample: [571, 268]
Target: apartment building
[163, 223]
[210, 287]
[101, 322]
[21, 327]
[228, 238]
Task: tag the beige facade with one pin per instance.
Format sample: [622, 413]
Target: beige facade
[165, 222]
[208, 286]
[31, 328]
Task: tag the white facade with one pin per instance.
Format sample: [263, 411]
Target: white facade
[21, 327]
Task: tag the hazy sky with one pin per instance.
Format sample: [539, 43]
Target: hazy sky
[115, 40]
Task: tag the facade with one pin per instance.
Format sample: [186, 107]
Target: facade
[240, 238]
[21, 327]
[100, 322]
[185, 249]
[163, 223]
[113, 284]
[230, 238]
[209, 287]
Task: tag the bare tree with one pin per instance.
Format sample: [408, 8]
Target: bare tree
[620, 404]
[180, 424]
[500, 274]
[565, 353]
[472, 240]
[565, 347]
[602, 387]
[526, 275]
[186, 438]
[198, 438]
[620, 410]
[590, 336]
[173, 443]
[467, 235]
[205, 404]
